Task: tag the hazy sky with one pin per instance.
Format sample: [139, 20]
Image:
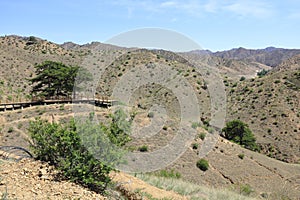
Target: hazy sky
[213, 24]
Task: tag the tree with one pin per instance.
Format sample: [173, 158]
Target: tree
[55, 79]
[31, 40]
[262, 73]
[239, 132]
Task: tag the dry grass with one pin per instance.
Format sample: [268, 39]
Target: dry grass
[191, 190]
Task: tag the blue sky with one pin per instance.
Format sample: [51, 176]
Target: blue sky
[213, 24]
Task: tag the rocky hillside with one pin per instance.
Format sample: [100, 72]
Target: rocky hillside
[19, 55]
[269, 105]
[227, 67]
[29, 179]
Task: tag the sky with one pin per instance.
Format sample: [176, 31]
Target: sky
[213, 24]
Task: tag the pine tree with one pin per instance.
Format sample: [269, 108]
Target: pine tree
[239, 132]
[55, 79]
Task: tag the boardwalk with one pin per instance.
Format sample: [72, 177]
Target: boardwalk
[101, 102]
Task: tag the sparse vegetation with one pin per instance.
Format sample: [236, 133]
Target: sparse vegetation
[245, 190]
[195, 125]
[269, 106]
[194, 191]
[168, 174]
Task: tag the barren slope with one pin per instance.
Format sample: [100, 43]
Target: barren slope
[270, 105]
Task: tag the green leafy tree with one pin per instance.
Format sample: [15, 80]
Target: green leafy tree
[56, 79]
[239, 132]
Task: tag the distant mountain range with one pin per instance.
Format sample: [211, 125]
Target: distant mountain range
[270, 56]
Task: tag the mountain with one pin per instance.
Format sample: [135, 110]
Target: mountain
[268, 104]
[232, 68]
[269, 56]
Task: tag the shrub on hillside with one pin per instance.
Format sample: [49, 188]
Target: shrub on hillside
[262, 73]
[242, 78]
[61, 146]
[202, 164]
[202, 136]
[241, 156]
[143, 148]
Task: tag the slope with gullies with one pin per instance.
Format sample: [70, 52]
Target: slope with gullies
[227, 67]
[270, 105]
[256, 173]
[225, 156]
[236, 168]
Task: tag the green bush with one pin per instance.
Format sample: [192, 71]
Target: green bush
[195, 125]
[210, 129]
[262, 73]
[246, 190]
[150, 114]
[277, 81]
[242, 78]
[119, 129]
[202, 136]
[10, 129]
[202, 164]
[61, 146]
[195, 145]
[143, 148]
[241, 156]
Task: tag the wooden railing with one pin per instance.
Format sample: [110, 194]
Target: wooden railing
[95, 100]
